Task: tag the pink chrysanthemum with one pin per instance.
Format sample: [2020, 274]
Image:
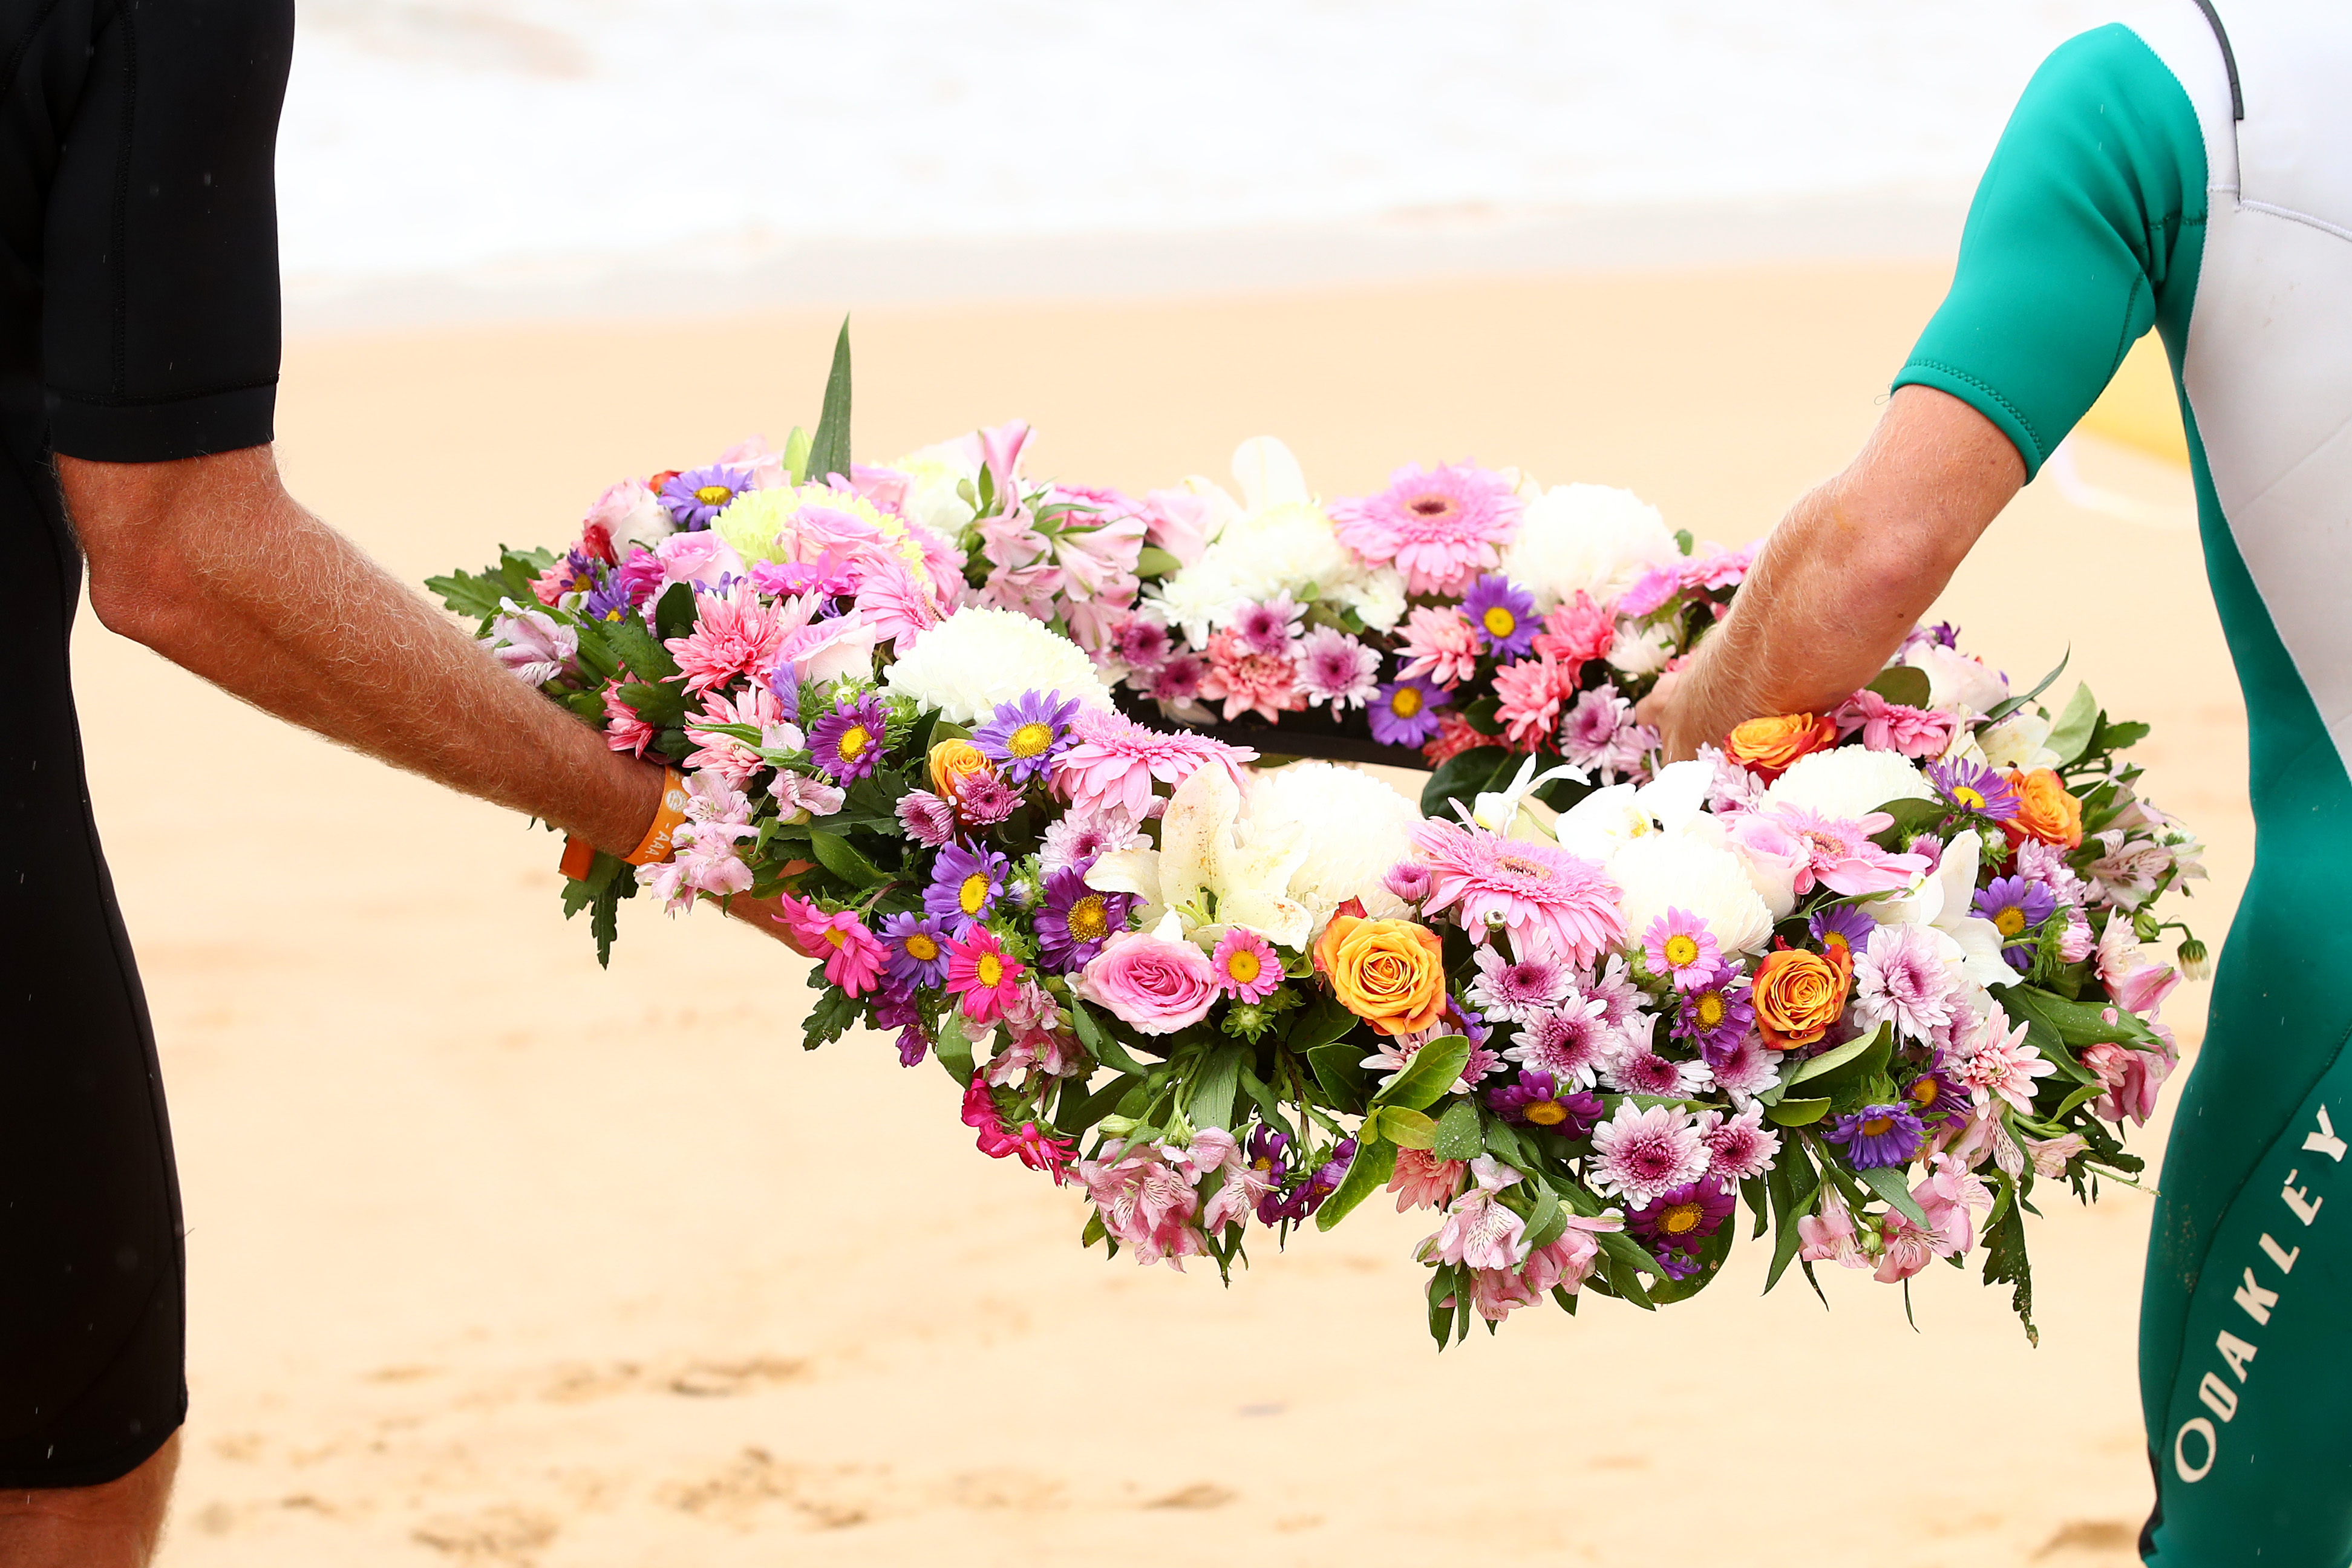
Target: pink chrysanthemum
[1900, 975]
[1112, 761]
[1247, 967]
[982, 973]
[1739, 1147]
[1577, 630]
[1679, 947]
[2002, 1063]
[1248, 682]
[1081, 837]
[730, 758]
[1519, 991]
[1272, 627]
[1637, 1153]
[1600, 732]
[1647, 1072]
[927, 817]
[1571, 1043]
[1439, 526]
[1527, 698]
[734, 634]
[1550, 901]
[624, 730]
[1422, 1179]
[1441, 643]
[1840, 855]
[1337, 668]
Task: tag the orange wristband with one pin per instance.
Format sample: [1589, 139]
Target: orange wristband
[579, 854]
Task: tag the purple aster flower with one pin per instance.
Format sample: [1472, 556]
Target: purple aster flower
[965, 885]
[1975, 788]
[1143, 643]
[898, 1011]
[786, 686]
[1842, 929]
[1537, 1100]
[1073, 920]
[1878, 1135]
[1716, 1016]
[1271, 627]
[1937, 1093]
[916, 951]
[1337, 668]
[1023, 735]
[1672, 1224]
[1268, 1153]
[847, 741]
[610, 598]
[1328, 1177]
[1404, 713]
[2015, 905]
[927, 818]
[1504, 614]
[1179, 679]
[696, 496]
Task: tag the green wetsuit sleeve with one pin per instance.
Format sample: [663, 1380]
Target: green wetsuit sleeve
[2070, 242]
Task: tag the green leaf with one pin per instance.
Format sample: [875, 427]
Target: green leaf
[1795, 1112]
[1338, 1068]
[2005, 1262]
[1461, 777]
[2070, 737]
[1710, 1255]
[1628, 1257]
[796, 455]
[1214, 1092]
[829, 1019]
[1368, 1173]
[1547, 1220]
[1886, 1181]
[1457, 1133]
[954, 1046]
[1405, 1129]
[1079, 1110]
[1481, 716]
[1849, 1063]
[1911, 815]
[468, 594]
[1153, 562]
[838, 856]
[647, 659]
[829, 448]
[1324, 1019]
[1429, 1076]
[1100, 1042]
[1441, 1290]
[604, 920]
[2009, 705]
[1793, 1184]
[674, 611]
[657, 703]
[2074, 1023]
[2113, 737]
[1902, 683]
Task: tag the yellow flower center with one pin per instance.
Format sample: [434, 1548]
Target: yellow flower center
[990, 970]
[1682, 951]
[1405, 701]
[973, 893]
[1925, 1092]
[1243, 966]
[714, 495]
[2009, 922]
[1500, 622]
[1709, 1009]
[835, 935]
[1681, 1219]
[1088, 921]
[1261, 1163]
[1547, 1113]
[853, 742]
[1876, 1126]
[921, 948]
[1964, 795]
[1031, 740]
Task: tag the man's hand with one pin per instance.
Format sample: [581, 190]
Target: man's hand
[211, 563]
[1847, 574]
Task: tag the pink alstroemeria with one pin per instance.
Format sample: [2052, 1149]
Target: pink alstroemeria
[1951, 1198]
[1146, 1204]
[1478, 1231]
[2129, 1080]
[1829, 1235]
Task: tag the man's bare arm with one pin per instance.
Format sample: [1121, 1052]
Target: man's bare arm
[1847, 573]
[211, 563]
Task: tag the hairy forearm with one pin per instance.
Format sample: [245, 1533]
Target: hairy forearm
[210, 563]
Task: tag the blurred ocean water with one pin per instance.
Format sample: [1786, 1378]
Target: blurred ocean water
[476, 140]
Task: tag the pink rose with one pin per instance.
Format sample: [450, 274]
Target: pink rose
[699, 558]
[1150, 980]
[1774, 857]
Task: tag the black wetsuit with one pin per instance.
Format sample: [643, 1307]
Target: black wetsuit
[138, 322]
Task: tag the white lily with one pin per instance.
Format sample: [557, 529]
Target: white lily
[1204, 874]
[1940, 902]
[1597, 825]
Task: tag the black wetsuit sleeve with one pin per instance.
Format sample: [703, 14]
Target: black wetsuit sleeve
[160, 325]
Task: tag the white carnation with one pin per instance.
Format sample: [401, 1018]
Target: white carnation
[1355, 827]
[1660, 871]
[1849, 782]
[978, 658]
[1587, 538]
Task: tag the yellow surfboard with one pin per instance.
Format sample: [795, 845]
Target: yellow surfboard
[2139, 407]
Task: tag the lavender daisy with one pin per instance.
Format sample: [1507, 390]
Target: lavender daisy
[1504, 615]
[1404, 713]
[1024, 734]
[1538, 1100]
[1974, 788]
[2015, 905]
[1878, 1135]
[847, 741]
[917, 949]
[1073, 920]
[1716, 1016]
[697, 495]
[1337, 668]
[1937, 1093]
[965, 886]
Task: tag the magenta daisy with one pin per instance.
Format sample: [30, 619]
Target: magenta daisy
[1269, 628]
[982, 973]
[1548, 899]
[1179, 679]
[1676, 1221]
[1661, 1077]
[1638, 1154]
[1337, 668]
[1249, 969]
[1678, 947]
[1438, 526]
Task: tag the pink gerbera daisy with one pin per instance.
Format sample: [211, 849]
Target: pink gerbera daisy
[982, 973]
[1247, 967]
[1679, 947]
[854, 960]
[1550, 901]
[1439, 526]
[1113, 761]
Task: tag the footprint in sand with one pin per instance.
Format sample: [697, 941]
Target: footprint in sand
[2090, 1535]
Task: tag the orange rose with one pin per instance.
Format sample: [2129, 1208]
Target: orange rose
[1767, 746]
[1798, 995]
[1389, 973]
[2044, 810]
[952, 761]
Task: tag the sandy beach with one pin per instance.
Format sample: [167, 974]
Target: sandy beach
[500, 1258]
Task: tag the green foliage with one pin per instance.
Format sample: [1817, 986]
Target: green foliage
[1152, 561]
[1405, 1129]
[1902, 683]
[1427, 1078]
[674, 611]
[1100, 1042]
[1214, 1091]
[1457, 1132]
[953, 1046]
[838, 856]
[1368, 1173]
[1338, 1068]
[2005, 1260]
[830, 1017]
[647, 659]
[1793, 1184]
[1797, 1112]
[1886, 1181]
[829, 448]
[1462, 777]
[2069, 736]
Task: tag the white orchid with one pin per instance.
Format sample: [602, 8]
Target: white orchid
[1940, 902]
[1500, 811]
[1203, 873]
[1604, 821]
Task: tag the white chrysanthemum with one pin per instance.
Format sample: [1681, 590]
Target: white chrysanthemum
[978, 658]
[1638, 653]
[1660, 871]
[934, 474]
[1850, 782]
[1286, 549]
[1199, 599]
[1355, 827]
[1587, 538]
[1378, 601]
[759, 523]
